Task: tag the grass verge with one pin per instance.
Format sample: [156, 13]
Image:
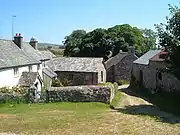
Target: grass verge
[116, 100]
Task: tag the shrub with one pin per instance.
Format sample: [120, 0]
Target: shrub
[61, 83]
[121, 82]
[13, 95]
[56, 83]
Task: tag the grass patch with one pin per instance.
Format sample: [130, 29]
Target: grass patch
[116, 100]
[75, 118]
[168, 102]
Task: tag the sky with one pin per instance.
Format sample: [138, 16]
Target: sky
[51, 20]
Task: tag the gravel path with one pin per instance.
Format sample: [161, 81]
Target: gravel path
[137, 105]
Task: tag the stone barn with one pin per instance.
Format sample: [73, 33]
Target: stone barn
[78, 70]
[119, 67]
[150, 71]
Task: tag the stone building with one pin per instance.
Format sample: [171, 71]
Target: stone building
[150, 72]
[79, 70]
[119, 67]
[48, 76]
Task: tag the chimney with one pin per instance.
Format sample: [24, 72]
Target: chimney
[18, 39]
[33, 42]
[131, 49]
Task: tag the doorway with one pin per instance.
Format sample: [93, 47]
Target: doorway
[141, 78]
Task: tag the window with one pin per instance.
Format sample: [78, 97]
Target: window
[38, 67]
[159, 75]
[16, 71]
[30, 68]
[102, 76]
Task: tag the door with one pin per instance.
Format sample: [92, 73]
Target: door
[141, 78]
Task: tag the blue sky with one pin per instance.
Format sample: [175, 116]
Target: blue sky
[51, 20]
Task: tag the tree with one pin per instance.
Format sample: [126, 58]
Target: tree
[169, 38]
[103, 42]
[73, 41]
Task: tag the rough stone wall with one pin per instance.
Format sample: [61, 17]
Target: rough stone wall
[122, 70]
[80, 94]
[151, 79]
[79, 78]
[148, 76]
[124, 67]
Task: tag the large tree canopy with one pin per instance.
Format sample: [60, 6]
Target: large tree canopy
[169, 38]
[108, 42]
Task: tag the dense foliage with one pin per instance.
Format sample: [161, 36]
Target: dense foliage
[169, 38]
[108, 42]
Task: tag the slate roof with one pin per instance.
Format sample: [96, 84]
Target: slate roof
[76, 64]
[48, 54]
[157, 57]
[27, 79]
[30, 51]
[114, 60]
[12, 56]
[49, 72]
[144, 60]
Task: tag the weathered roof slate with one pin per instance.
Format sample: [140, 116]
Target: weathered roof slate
[48, 54]
[144, 60]
[30, 51]
[76, 64]
[28, 79]
[114, 60]
[49, 72]
[12, 56]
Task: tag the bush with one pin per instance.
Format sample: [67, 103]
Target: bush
[122, 82]
[56, 83]
[61, 83]
[13, 90]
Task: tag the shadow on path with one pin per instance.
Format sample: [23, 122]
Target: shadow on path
[137, 104]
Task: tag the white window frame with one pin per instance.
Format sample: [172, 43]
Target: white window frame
[16, 71]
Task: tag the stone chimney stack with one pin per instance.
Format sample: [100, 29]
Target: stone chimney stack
[18, 39]
[131, 49]
[34, 43]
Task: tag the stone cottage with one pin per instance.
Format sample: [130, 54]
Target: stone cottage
[79, 70]
[150, 72]
[119, 67]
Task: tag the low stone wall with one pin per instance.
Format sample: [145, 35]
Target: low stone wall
[80, 94]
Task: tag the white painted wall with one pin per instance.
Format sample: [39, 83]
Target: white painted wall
[8, 79]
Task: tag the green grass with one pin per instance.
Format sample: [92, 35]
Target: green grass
[168, 102]
[116, 100]
[38, 118]
[76, 118]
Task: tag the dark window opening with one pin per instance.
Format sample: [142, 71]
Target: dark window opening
[159, 75]
[102, 76]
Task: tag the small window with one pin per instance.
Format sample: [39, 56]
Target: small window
[102, 76]
[159, 75]
[30, 68]
[16, 71]
[38, 67]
